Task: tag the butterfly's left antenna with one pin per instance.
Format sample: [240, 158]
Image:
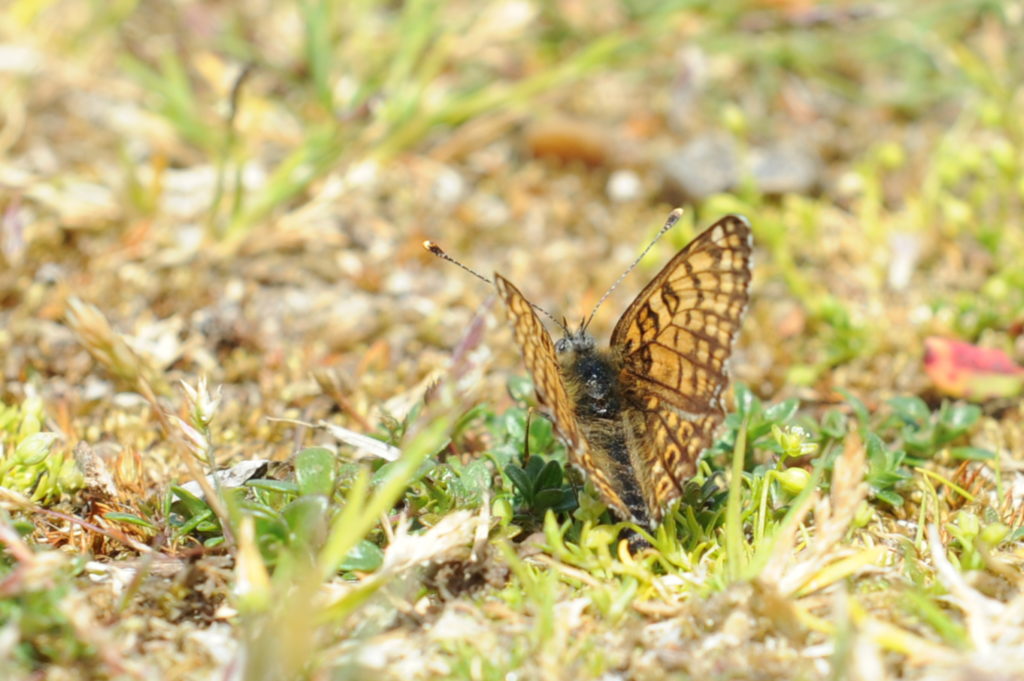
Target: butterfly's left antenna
[673, 218]
[439, 252]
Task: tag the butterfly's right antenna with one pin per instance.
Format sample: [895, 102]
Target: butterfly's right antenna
[673, 218]
[439, 252]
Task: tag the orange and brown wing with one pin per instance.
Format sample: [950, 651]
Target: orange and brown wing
[539, 354]
[674, 340]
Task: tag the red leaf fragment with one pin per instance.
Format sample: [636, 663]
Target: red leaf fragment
[960, 369]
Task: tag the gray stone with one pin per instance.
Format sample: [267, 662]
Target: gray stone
[703, 167]
[711, 165]
[785, 168]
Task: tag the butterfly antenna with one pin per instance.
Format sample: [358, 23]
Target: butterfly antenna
[439, 252]
[673, 218]
[561, 325]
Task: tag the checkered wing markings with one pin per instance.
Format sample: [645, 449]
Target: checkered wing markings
[539, 354]
[671, 441]
[674, 340]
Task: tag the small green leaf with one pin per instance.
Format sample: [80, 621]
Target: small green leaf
[364, 557]
[542, 435]
[858, 407]
[550, 498]
[276, 486]
[911, 409]
[271, 531]
[129, 518]
[468, 418]
[783, 411]
[568, 502]
[306, 518]
[993, 534]
[192, 523]
[746, 401]
[960, 417]
[386, 470]
[515, 424]
[521, 481]
[972, 453]
[520, 388]
[534, 466]
[550, 476]
[474, 478]
[793, 480]
[891, 498]
[193, 504]
[833, 424]
[259, 510]
[34, 449]
[919, 441]
[314, 471]
[874, 447]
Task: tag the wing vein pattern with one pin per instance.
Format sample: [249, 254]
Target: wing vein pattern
[542, 362]
[674, 340]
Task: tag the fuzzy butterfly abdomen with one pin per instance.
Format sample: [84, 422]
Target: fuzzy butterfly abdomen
[592, 380]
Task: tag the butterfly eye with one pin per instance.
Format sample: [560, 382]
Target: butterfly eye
[561, 345]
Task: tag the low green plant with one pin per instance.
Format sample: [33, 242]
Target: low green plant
[287, 515]
[886, 476]
[37, 610]
[540, 486]
[973, 538]
[924, 433]
[30, 462]
[903, 436]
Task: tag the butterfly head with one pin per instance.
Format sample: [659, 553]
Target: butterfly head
[575, 342]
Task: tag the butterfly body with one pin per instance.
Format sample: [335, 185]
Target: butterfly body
[603, 408]
[637, 415]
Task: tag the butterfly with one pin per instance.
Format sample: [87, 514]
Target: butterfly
[637, 415]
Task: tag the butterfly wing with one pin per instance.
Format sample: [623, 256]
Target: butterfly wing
[539, 354]
[674, 340]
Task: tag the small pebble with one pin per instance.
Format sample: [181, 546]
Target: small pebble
[623, 185]
[449, 187]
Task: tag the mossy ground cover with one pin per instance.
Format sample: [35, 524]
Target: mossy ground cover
[211, 218]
